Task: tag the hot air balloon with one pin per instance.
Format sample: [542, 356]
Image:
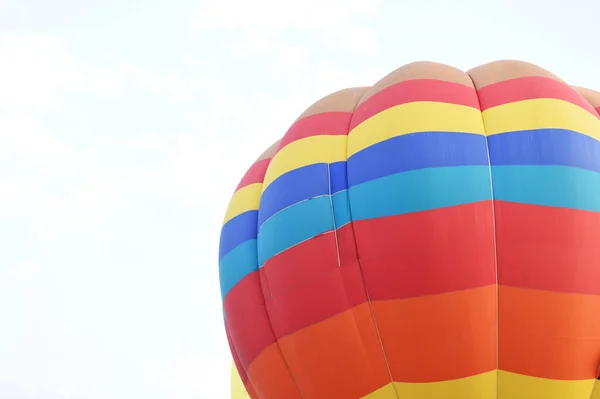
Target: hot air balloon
[436, 235]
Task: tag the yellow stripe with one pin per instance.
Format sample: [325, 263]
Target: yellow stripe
[516, 386]
[306, 151]
[481, 386]
[543, 113]
[238, 391]
[422, 116]
[596, 393]
[245, 199]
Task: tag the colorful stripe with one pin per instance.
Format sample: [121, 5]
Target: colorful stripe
[237, 231]
[557, 147]
[542, 334]
[417, 90]
[237, 264]
[326, 124]
[411, 118]
[304, 152]
[255, 174]
[416, 151]
[540, 114]
[547, 185]
[569, 260]
[530, 88]
[301, 184]
[439, 241]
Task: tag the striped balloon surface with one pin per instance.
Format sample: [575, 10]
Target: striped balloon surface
[436, 235]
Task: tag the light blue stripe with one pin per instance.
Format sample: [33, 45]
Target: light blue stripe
[341, 209]
[301, 222]
[420, 190]
[236, 265]
[560, 186]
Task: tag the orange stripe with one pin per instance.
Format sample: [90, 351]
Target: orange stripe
[270, 377]
[549, 334]
[439, 337]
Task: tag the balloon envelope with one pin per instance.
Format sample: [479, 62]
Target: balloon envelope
[435, 235]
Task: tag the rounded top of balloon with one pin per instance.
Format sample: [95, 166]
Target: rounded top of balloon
[434, 235]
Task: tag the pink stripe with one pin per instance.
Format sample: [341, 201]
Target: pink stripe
[415, 90]
[256, 174]
[326, 123]
[528, 88]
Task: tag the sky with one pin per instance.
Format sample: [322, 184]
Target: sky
[125, 126]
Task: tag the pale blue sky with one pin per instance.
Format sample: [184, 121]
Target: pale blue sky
[124, 127]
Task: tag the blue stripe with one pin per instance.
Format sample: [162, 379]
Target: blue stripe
[416, 151]
[236, 231]
[545, 147]
[560, 186]
[420, 190]
[236, 265]
[300, 184]
[301, 222]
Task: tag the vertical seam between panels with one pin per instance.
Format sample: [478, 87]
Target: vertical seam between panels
[487, 147]
[337, 242]
[285, 362]
[360, 267]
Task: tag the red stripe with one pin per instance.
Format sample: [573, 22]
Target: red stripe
[528, 88]
[310, 259]
[326, 123]
[238, 365]
[324, 296]
[598, 111]
[430, 252]
[256, 173]
[236, 359]
[415, 90]
[547, 248]
[248, 320]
